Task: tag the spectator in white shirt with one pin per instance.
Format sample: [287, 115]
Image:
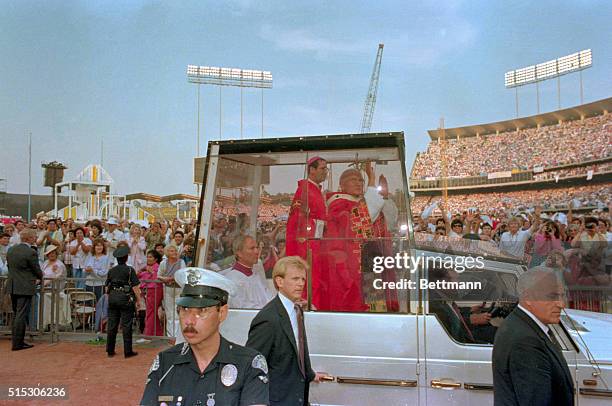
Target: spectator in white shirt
[513, 241]
[177, 241]
[138, 245]
[52, 267]
[15, 238]
[456, 229]
[80, 249]
[165, 273]
[112, 236]
[4, 246]
[10, 230]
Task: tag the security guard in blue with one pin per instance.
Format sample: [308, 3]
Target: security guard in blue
[206, 370]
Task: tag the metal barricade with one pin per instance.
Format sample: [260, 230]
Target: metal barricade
[59, 309]
[591, 298]
[6, 311]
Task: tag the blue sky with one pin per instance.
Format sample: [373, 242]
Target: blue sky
[72, 72]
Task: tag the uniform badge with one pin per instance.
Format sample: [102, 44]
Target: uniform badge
[229, 373]
[185, 349]
[193, 277]
[263, 378]
[259, 362]
[154, 365]
[211, 399]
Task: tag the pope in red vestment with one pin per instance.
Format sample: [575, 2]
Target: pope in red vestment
[306, 221]
[351, 237]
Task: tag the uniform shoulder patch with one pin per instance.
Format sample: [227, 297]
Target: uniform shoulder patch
[155, 365]
[259, 362]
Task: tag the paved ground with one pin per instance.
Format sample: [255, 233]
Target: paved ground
[90, 377]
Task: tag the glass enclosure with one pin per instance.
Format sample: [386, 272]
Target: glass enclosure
[343, 211]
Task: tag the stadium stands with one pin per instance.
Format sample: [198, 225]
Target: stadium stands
[571, 142]
[593, 196]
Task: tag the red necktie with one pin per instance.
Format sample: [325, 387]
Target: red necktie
[300, 343]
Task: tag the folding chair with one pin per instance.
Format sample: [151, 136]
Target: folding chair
[83, 305]
[68, 290]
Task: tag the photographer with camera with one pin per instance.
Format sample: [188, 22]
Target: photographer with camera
[547, 239]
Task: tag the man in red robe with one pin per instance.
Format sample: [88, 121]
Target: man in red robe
[355, 222]
[307, 218]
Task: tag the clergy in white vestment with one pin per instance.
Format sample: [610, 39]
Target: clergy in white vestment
[249, 276]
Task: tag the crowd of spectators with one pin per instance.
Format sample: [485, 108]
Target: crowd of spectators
[576, 171]
[514, 226]
[570, 142]
[596, 196]
[267, 211]
[80, 255]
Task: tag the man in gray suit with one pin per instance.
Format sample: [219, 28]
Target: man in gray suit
[23, 271]
[528, 364]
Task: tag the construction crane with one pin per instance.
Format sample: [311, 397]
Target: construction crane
[370, 101]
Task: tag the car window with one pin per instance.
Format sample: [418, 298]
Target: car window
[471, 304]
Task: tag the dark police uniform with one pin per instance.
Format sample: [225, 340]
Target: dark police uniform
[120, 282]
[236, 376]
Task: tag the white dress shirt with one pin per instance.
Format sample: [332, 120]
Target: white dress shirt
[542, 326]
[290, 308]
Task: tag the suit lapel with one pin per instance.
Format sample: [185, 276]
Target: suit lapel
[560, 358]
[549, 344]
[286, 323]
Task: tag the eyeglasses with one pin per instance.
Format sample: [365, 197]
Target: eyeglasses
[200, 313]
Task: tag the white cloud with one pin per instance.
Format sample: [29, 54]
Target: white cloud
[303, 40]
[423, 43]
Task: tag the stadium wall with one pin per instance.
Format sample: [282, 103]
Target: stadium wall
[13, 204]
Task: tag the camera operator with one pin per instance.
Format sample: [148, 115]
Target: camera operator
[547, 239]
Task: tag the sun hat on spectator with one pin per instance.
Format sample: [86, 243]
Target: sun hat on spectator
[50, 249]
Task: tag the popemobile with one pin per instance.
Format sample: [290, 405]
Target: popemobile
[384, 331]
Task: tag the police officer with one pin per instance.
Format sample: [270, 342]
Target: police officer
[206, 370]
[123, 294]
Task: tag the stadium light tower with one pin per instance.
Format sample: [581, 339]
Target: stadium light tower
[556, 68]
[210, 75]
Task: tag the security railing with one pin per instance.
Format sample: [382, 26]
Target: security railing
[65, 306]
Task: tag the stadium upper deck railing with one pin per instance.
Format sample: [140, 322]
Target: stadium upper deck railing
[475, 182]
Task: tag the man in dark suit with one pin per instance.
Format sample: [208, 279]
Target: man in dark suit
[278, 333]
[528, 364]
[23, 271]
